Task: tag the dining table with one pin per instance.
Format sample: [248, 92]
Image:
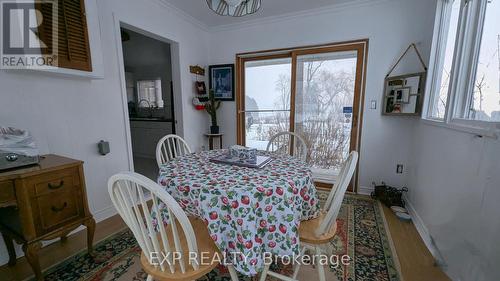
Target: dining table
[249, 212]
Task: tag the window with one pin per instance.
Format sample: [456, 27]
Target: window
[465, 78]
[73, 49]
[149, 94]
[267, 100]
[443, 69]
[485, 97]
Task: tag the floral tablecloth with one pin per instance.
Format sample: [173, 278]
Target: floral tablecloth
[248, 211]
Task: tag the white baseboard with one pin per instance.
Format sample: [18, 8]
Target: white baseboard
[424, 233]
[364, 190]
[105, 213]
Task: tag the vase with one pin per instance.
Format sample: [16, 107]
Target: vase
[214, 130]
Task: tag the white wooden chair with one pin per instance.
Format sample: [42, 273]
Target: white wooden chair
[170, 147]
[137, 200]
[281, 143]
[321, 230]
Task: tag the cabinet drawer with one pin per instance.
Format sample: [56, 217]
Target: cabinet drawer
[58, 208]
[64, 180]
[7, 192]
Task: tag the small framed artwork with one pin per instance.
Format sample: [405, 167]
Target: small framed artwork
[221, 78]
[201, 89]
[402, 94]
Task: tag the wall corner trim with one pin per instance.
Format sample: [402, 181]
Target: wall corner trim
[424, 233]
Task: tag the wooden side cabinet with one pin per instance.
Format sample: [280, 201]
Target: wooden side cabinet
[43, 202]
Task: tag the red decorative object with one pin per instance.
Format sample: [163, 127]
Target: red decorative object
[198, 105]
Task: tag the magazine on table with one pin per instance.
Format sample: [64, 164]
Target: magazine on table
[260, 162]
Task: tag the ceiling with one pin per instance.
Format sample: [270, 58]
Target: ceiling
[199, 10]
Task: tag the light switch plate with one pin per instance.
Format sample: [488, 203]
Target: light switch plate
[373, 104]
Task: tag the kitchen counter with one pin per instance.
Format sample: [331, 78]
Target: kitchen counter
[151, 119]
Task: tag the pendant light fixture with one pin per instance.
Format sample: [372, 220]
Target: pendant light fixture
[234, 8]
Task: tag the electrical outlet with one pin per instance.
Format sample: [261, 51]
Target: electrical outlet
[399, 168]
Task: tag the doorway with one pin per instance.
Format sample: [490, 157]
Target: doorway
[150, 96]
[313, 91]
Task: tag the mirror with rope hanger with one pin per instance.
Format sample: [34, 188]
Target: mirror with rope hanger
[404, 94]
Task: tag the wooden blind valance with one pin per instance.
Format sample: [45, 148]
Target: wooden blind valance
[73, 49]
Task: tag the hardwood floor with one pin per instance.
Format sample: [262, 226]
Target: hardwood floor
[417, 264]
[59, 251]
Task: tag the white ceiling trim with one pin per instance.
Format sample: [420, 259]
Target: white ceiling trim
[271, 19]
[183, 14]
[306, 13]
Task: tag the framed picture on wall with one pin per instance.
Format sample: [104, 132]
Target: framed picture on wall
[221, 80]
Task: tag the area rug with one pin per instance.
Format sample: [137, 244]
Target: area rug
[361, 233]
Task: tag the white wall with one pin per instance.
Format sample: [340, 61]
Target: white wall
[390, 26]
[455, 189]
[69, 115]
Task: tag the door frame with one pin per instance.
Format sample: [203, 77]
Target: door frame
[360, 46]
[176, 81]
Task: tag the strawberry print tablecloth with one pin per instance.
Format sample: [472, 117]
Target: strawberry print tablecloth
[248, 211]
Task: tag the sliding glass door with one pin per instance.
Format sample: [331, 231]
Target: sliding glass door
[324, 101]
[314, 92]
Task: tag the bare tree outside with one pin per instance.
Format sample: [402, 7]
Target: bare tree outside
[479, 86]
[321, 97]
[443, 94]
[484, 102]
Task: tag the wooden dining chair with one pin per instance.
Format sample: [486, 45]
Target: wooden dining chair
[171, 251]
[321, 230]
[281, 143]
[170, 147]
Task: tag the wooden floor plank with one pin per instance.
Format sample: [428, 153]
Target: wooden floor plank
[417, 263]
[57, 252]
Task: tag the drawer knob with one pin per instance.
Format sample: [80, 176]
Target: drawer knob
[56, 209]
[53, 187]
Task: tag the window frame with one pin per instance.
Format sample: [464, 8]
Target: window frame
[464, 67]
[438, 48]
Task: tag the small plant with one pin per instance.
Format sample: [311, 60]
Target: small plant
[211, 107]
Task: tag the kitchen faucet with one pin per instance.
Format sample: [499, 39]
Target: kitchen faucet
[150, 107]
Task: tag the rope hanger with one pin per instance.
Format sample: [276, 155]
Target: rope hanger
[404, 54]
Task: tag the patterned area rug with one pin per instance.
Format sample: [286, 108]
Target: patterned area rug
[361, 233]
